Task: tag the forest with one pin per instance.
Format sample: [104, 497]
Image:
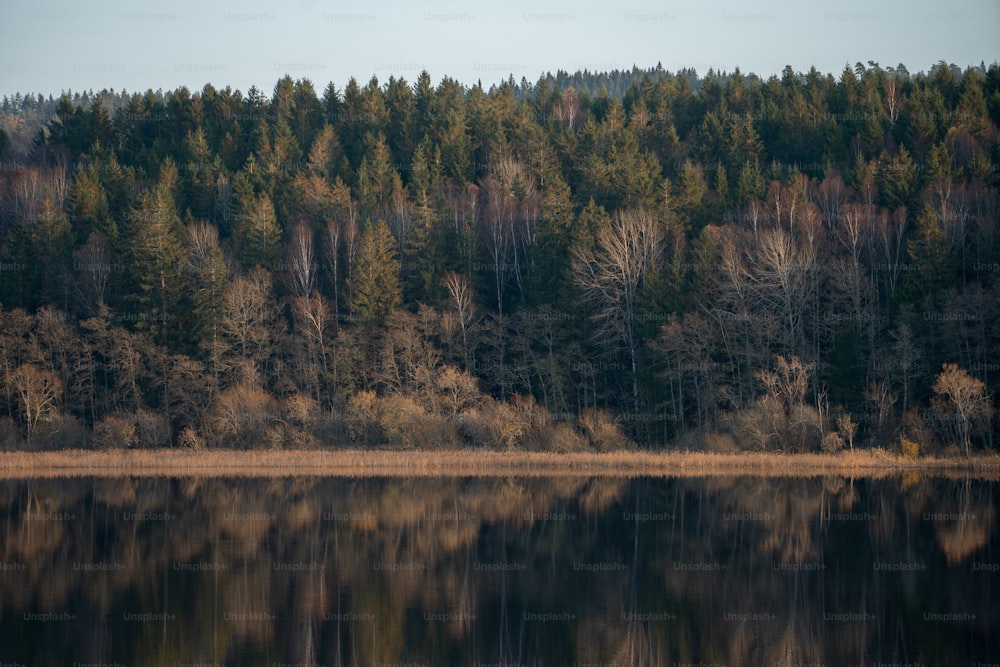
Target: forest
[806, 262]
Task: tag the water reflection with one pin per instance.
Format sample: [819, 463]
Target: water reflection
[541, 571]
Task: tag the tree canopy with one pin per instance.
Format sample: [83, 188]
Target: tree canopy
[646, 246]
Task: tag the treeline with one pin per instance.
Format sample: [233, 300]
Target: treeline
[800, 262]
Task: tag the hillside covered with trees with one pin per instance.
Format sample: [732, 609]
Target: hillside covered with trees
[800, 263]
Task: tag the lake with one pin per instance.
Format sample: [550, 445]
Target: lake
[499, 571]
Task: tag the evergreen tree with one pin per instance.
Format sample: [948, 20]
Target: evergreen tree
[256, 234]
[206, 279]
[199, 175]
[422, 261]
[52, 242]
[897, 180]
[379, 183]
[690, 197]
[930, 253]
[87, 206]
[374, 279]
[154, 258]
[306, 118]
[326, 157]
[750, 183]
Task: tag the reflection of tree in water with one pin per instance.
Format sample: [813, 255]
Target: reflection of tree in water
[963, 520]
[437, 533]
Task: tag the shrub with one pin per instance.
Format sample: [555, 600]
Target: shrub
[190, 439]
[300, 410]
[241, 417]
[474, 427]
[400, 418]
[295, 437]
[952, 451]
[601, 432]
[832, 442]
[760, 425]
[152, 429]
[910, 448]
[562, 438]
[496, 425]
[363, 422]
[915, 428]
[62, 432]
[719, 443]
[805, 429]
[114, 431]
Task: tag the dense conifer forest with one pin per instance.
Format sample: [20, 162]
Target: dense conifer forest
[806, 262]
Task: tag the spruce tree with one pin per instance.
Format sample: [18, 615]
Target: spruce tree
[374, 280]
[154, 258]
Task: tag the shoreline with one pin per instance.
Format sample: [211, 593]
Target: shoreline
[479, 463]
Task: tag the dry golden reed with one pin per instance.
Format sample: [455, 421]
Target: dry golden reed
[383, 462]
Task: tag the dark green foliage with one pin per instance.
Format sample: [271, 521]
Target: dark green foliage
[154, 263]
[374, 280]
[805, 213]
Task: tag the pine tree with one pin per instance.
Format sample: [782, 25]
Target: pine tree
[750, 183]
[52, 241]
[378, 181]
[422, 263]
[374, 280]
[690, 197]
[256, 234]
[155, 257]
[897, 180]
[206, 279]
[931, 254]
[87, 206]
[721, 190]
[199, 175]
[326, 157]
[350, 117]
[971, 112]
[307, 113]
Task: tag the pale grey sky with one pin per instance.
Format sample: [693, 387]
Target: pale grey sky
[49, 46]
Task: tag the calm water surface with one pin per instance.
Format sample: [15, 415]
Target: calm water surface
[538, 571]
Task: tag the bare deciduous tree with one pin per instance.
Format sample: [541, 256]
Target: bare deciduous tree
[788, 383]
[39, 392]
[832, 195]
[966, 396]
[850, 275]
[907, 353]
[460, 298]
[203, 237]
[892, 100]
[611, 276]
[847, 427]
[746, 330]
[568, 108]
[313, 321]
[887, 233]
[301, 262]
[247, 323]
[783, 279]
[457, 389]
[93, 265]
[498, 234]
[520, 184]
